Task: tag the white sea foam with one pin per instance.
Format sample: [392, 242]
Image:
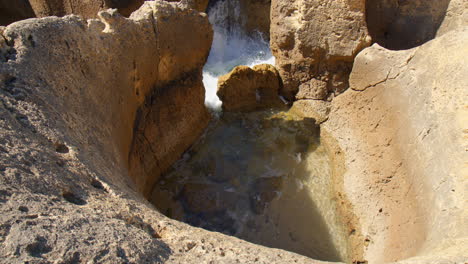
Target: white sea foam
[231, 47]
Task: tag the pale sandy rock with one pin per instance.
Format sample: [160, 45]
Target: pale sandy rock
[456, 16]
[70, 94]
[315, 42]
[248, 89]
[401, 132]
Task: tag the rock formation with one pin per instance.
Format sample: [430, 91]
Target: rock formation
[71, 92]
[93, 111]
[401, 129]
[314, 43]
[12, 11]
[248, 89]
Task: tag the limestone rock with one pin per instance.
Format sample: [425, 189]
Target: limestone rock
[315, 42]
[248, 89]
[456, 17]
[12, 11]
[71, 93]
[316, 109]
[401, 131]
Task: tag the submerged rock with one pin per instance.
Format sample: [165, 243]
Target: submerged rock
[207, 198]
[247, 89]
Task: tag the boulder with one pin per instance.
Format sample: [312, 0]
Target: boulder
[315, 42]
[249, 89]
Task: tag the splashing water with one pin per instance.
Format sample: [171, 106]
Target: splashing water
[231, 47]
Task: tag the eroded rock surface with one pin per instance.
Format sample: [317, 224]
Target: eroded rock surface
[248, 89]
[402, 128]
[70, 94]
[315, 42]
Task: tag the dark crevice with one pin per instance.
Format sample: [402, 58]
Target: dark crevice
[403, 24]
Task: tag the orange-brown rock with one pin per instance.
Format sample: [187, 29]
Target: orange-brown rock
[256, 17]
[248, 89]
[315, 42]
[11, 11]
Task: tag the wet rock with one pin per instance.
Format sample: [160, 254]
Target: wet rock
[225, 169]
[263, 191]
[247, 89]
[207, 198]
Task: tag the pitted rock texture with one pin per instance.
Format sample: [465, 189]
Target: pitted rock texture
[315, 43]
[12, 11]
[70, 91]
[402, 129]
[247, 89]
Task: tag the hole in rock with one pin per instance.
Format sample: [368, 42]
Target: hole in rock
[261, 176]
[404, 24]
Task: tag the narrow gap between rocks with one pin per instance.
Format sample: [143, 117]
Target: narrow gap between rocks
[261, 176]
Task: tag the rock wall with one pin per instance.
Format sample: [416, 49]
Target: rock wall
[71, 94]
[402, 130]
[257, 16]
[11, 12]
[314, 43]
